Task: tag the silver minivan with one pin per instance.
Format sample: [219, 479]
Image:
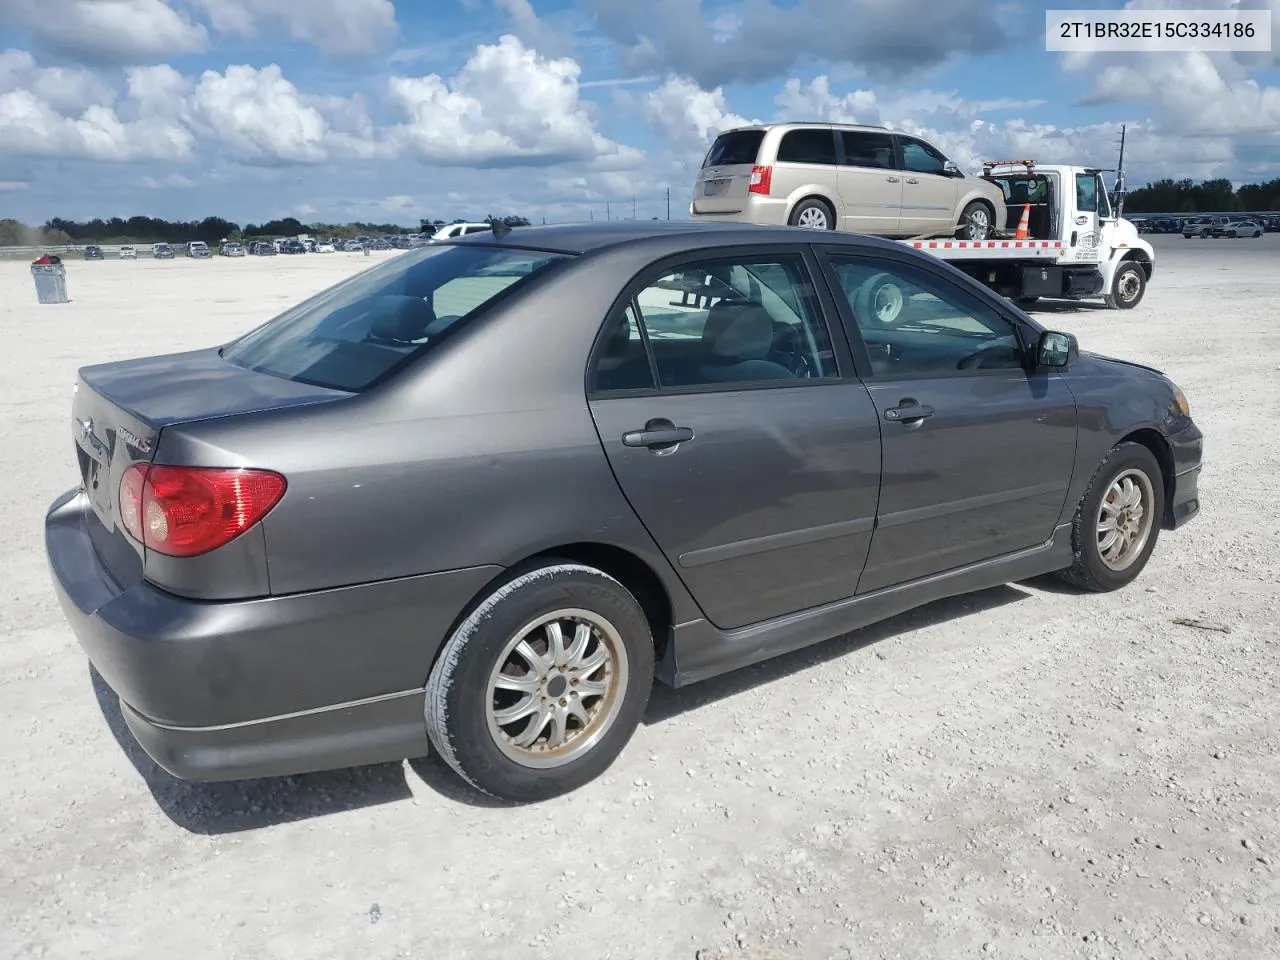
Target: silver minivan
[831, 176]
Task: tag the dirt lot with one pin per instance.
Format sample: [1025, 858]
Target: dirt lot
[1022, 773]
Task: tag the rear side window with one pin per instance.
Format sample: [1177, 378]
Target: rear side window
[735, 147]
[868, 149]
[357, 333]
[808, 146]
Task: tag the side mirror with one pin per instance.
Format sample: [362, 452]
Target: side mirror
[1057, 349]
[951, 170]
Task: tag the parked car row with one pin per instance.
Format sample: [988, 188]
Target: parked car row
[1207, 227]
[1195, 226]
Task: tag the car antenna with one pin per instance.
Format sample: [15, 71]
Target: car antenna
[500, 228]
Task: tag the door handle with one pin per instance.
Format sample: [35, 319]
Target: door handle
[912, 180]
[892, 179]
[908, 413]
[657, 435]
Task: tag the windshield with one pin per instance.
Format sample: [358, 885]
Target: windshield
[357, 333]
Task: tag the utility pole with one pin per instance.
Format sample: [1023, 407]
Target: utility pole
[668, 203]
[608, 210]
[633, 206]
[1120, 177]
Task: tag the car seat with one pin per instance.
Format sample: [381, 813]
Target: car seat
[737, 339]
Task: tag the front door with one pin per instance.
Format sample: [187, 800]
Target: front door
[929, 193]
[869, 183]
[977, 451]
[718, 400]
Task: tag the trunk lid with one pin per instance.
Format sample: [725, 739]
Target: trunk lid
[723, 183]
[119, 410]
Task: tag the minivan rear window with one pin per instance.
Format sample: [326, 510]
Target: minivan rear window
[359, 332]
[735, 147]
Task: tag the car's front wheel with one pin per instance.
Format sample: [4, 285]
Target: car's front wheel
[1117, 521]
[975, 222]
[542, 685]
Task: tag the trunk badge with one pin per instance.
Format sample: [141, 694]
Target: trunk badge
[92, 440]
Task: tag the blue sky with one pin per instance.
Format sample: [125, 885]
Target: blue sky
[390, 110]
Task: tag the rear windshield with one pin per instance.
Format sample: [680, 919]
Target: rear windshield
[356, 333]
[738, 146]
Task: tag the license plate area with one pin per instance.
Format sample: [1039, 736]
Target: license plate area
[715, 188]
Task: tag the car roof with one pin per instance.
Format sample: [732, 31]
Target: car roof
[586, 238]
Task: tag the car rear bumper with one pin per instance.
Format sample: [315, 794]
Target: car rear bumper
[768, 211]
[1187, 447]
[263, 687]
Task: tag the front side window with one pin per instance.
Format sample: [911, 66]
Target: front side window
[812, 145]
[719, 323]
[916, 324]
[919, 157]
[1086, 193]
[358, 332]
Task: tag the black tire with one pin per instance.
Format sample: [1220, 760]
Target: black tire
[809, 205]
[1089, 571]
[1128, 287]
[458, 688]
[882, 299]
[963, 227]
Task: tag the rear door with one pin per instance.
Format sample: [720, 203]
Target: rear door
[929, 195]
[978, 451]
[869, 182]
[717, 393]
[722, 183]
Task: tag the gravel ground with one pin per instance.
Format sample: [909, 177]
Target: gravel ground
[1024, 772]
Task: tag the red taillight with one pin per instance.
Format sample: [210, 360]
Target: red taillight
[761, 179]
[185, 511]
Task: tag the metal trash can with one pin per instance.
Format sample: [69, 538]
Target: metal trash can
[51, 282]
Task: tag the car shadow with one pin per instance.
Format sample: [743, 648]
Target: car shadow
[1062, 307]
[666, 703]
[234, 806]
[230, 807]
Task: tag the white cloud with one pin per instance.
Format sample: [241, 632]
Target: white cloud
[174, 181]
[532, 31]
[11, 186]
[687, 116]
[106, 32]
[507, 104]
[341, 28]
[67, 89]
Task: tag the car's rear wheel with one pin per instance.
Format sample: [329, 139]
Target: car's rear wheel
[813, 214]
[542, 685]
[975, 222]
[1117, 522]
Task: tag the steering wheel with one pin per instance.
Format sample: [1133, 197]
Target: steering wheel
[973, 361]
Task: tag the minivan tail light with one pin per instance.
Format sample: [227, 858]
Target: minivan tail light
[187, 511]
[761, 180]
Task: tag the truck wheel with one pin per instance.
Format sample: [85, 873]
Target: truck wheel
[975, 222]
[881, 300]
[1127, 287]
[540, 688]
[812, 214]
[1117, 521]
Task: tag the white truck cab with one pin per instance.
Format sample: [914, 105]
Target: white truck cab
[1072, 206]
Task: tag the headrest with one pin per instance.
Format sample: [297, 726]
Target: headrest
[737, 330]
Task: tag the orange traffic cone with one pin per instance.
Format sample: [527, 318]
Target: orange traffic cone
[1024, 225]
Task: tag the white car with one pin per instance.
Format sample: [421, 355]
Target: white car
[325, 248]
[1242, 228]
[128, 253]
[459, 230]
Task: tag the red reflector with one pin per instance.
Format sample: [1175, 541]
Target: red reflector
[186, 511]
[761, 180]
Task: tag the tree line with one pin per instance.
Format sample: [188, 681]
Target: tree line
[212, 230]
[1206, 196]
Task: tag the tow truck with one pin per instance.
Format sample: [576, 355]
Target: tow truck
[1076, 246]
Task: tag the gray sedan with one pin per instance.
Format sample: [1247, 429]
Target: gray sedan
[478, 497]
